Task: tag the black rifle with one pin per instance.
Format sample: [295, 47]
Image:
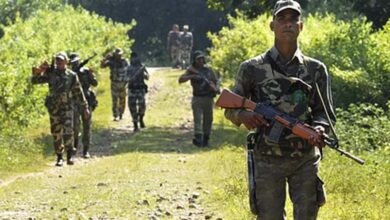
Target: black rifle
[82, 64]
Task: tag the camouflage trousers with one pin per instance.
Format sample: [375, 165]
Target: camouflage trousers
[118, 95]
[305, 187]
[86, 134]
[175, 55]
[61, 126]
[202, 109]
[137, 103]
[185, 57]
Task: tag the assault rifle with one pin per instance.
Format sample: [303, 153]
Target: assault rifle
[230, 100]
[141, 69]
[192, 70]
[82, 64]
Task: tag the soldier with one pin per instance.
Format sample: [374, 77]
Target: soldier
[118, 79]
[282, 77]
[173, 46]
[203, 82]
[87, 79]
[64, 91]
[137, 74]
[186, 43]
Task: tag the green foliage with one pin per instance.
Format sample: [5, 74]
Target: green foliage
[243, 39]
[355, 56]
[364, 127]
[12, 9]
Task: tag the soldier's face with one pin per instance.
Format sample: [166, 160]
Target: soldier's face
[60, 63]
[287, 25]
[199, 62]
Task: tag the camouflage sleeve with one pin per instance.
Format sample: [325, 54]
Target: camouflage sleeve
[241, 87]
[92, 79]
[40, 79]
[318, 112]
[78, 93]
[213, 77]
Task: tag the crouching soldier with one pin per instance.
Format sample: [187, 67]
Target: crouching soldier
[87, 79]
[137, 75]
[64, 91]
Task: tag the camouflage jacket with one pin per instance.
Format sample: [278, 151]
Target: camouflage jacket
[87, 79]
[289, 88]
[186, 40]
[118, 70]
[201, 87]
[64, 86]
[173, 39]
[137, 74]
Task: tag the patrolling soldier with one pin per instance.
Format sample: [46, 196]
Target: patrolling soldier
[64, 91]
[137, 74]
[118, 78]
[186, 43]
[173, 46]
[87, 79]
[281, 157]
[203, 82]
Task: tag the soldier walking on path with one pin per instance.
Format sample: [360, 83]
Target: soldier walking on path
[137, 74]
[87, 79]
[173, 46]
[203, 82]
[285, 79]
[186, 43]
[118, 77]
[64, 91]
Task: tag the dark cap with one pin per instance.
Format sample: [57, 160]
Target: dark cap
[197, 54]
[73, 57]
[286, 4]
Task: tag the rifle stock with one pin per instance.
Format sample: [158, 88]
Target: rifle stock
[231, 100]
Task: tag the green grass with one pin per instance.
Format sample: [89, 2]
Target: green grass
[159, 165]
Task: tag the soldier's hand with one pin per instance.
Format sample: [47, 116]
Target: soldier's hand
[318, 140]
[86, 113]
[252, 120]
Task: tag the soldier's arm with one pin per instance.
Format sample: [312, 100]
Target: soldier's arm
[40, 74]
[322, 78]
[146, 73]
[92, 78]
[241, 87]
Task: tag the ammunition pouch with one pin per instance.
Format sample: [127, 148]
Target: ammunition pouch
[92, 100]
[251, 143]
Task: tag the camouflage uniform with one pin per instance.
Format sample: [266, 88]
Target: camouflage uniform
[289, 158]
[174, 47]
[202, 104]
[64, 91]
[87, 79]
[118, 79]
[186, 42]
[137, 89]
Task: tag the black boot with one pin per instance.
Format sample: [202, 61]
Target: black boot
[206, 138]
[60, 160]
[197, 141]
[141, 121]
[135, 127]
[69, 157]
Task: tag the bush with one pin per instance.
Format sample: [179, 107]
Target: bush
[28, 43]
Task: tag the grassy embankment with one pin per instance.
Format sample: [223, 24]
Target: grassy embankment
[157, 172]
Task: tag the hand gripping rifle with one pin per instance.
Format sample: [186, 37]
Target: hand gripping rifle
[192, 70]
[230, 100]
